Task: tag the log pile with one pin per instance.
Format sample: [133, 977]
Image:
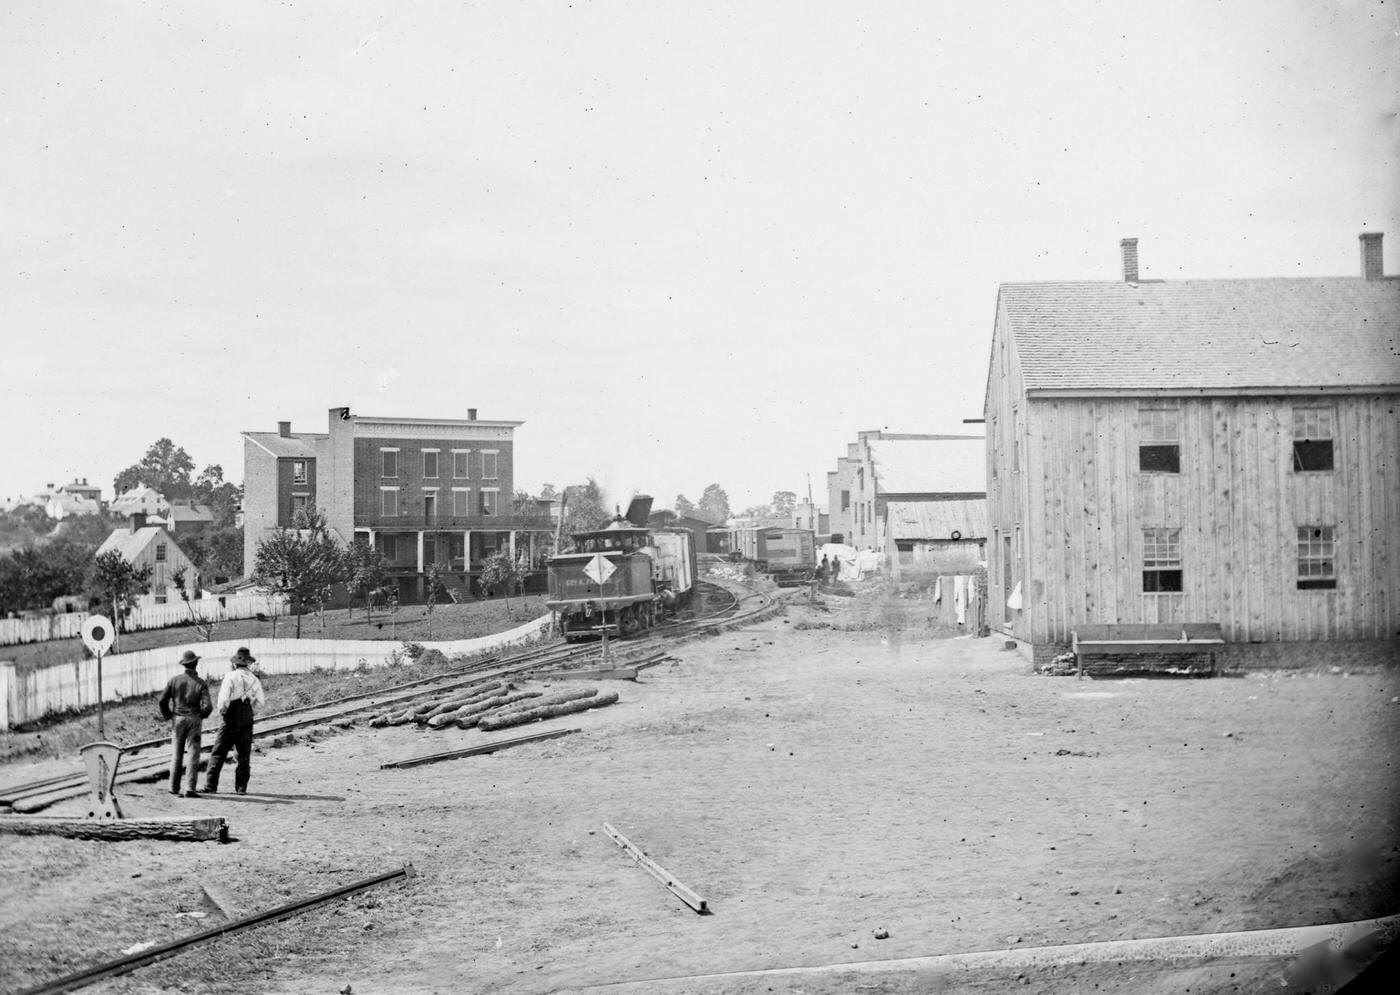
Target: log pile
[578, 703]
[412, 712]
[468, 715]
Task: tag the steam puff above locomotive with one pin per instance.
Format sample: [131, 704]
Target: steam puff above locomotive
[620, 579]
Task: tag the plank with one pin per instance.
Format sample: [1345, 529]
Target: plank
[472, 751]
[681, 891]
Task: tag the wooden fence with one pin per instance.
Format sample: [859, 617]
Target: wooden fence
[30, 696]
[67, 624]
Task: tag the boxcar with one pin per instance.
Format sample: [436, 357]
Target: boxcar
[789, 555]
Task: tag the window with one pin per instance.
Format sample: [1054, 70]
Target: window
[488, 502]
[430, 464]
[461, 502]
[389, 462]
[1317, 568]
[1312, 439]
[160, 552]
[1159, 440]
[996, 441]
[299, 502]
[389, 502]
[1161, 561]
[430, 506]
[488, 465]
[1015, 439]
[457, 547]
[845, 500]
[459, 463]
[389, 547]
[298, 471]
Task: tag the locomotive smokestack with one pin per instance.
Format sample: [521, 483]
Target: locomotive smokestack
[638, 510]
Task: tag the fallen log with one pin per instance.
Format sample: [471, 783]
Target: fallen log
[468, 713]
[455, 702]
[492, 722]
[188, 830]
[480, 748]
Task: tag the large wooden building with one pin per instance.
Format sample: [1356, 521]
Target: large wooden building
[1199, 451]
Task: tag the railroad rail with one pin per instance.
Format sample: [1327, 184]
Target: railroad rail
[34, 796]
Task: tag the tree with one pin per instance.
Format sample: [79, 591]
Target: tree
[784, 502]
[117, 582]
[203, 625]
[506, 571]
[166, 467]
[714, 504]
[363, 570]
[436, 590]
[585, 510]
[685, 507]
[299, 563]
[222, 497]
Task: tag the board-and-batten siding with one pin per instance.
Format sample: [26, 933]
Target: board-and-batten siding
[1238, 504]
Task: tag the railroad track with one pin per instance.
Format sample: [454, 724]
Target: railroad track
[34, 796]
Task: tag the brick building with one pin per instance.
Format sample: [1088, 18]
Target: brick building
[420, 490]
[1199, 451]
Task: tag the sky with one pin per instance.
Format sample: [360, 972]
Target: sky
[683, 243]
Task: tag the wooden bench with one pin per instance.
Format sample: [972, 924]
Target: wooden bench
[1139, 639]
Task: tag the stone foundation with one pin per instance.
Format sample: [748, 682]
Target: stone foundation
[1237, 657]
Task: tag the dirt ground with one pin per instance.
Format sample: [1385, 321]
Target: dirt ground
[832, 772]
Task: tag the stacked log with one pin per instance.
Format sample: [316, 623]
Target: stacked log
[410, 713]
[578, 701]
[492, 690]
[467, 715]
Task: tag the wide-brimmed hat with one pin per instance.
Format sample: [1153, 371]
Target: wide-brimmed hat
[242, 658]
[190, 659]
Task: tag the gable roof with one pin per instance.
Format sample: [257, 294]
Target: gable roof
[139, 496]
[912, 465]
[1334, 332]
[937, 519]
[130, 543]
[298, 444]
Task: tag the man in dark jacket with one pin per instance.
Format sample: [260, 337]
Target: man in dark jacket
[186, 703]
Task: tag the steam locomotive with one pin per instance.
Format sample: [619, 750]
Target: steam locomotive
[620, 579]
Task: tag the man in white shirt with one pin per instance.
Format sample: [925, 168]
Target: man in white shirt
[240, 695]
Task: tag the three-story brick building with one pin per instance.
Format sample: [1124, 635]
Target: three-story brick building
[420, 490]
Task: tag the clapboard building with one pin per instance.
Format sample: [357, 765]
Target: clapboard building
[420, 490]
[1219, 451]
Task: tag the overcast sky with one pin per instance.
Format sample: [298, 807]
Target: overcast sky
[684, 243]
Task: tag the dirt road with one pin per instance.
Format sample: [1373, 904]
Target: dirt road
[831, 773]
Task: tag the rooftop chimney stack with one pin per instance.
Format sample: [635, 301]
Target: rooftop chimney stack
[471, 414]
[284, 429]
[1372, 265]
[1130, 269]
[138, 521]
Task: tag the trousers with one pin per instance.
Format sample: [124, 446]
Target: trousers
[186, 732]
[236, 734]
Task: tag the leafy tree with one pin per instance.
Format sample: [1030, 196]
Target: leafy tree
[203, 625]
[166, 467]
[714, 504]
[363, 570]
[299, 563]
[118, 583]
[436, 592]
[216, 552]
[585, 510]
[222, 497]
[783, 504]
[503, 570]
[23, 525]
[685, 507]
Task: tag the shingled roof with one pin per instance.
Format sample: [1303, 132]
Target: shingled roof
[1206, 335]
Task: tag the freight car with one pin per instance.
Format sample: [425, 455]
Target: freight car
[621, 578]
[788, 555]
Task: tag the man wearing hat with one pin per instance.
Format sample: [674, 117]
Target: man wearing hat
[240, 695]
[185, 702]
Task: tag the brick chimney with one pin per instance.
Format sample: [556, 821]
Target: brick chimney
[471, 414]
[138, 520]
[284, 429]
[1130, 267]
[1372, 265]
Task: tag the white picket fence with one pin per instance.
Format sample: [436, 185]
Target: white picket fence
[30, 696]
[68, 624]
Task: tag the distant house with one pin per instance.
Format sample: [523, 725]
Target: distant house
[82, 489]
[918, 532]
[62, 506]
[140, 500]
[905, 468]
[1219, 451]
[806, 515]
[188, 518]
[140, 545]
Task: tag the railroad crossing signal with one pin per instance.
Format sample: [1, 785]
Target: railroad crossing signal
[600, 568]
[98, 634]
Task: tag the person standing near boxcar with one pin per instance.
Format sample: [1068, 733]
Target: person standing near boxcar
[822, 571]
[240, 696]
[185, 704]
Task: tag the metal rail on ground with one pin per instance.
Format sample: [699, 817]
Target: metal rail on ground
[124, 965]
[471, 751]
[685, 894]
